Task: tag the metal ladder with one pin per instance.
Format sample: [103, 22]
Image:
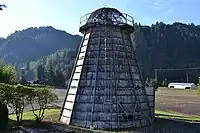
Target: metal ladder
[73, 89]
[108, 87]
[94, 91]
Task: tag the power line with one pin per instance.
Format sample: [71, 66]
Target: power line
[173, 69]
[179, 69]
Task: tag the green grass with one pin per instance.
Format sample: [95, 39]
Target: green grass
[175, 115]
[49, 114]
[53, 114]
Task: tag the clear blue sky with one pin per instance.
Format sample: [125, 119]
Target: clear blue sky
[65, 14]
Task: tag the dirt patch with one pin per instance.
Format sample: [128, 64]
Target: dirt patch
[183, 101]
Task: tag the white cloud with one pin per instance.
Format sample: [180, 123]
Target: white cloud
[163, 6]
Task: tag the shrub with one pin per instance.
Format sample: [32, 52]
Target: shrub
[19, 100]
[6, 91]
[7, 74]
[15, 96]
[42, 97]
[18, 96]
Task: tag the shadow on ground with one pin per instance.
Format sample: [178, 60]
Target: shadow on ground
[160, 126]
[30, 126]
[168, 126]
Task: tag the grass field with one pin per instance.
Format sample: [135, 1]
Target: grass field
[50, 114]
[177, 116]
[53, 114]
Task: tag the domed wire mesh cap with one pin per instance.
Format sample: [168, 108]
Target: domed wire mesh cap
[106, 16]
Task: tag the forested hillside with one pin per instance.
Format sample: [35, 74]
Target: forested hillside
[174, 45]
[33, 43]
[46, 53]
[52, 69]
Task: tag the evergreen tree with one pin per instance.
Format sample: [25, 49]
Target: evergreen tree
[59, 78]
[27, 66]
[39, 73]
[49, 74]
[22, 79]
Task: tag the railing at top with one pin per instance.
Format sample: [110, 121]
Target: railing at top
[117, 20]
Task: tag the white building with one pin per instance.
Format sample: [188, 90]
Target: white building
[182, 85]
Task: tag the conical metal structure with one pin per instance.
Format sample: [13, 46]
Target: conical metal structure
[106, 90]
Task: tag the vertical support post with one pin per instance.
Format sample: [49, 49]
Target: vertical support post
[187, 77]
[198, 80]
[126, 19]
[94, 90]
[156, 76]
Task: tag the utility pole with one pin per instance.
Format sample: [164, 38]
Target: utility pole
[187, 77]
[156, 76]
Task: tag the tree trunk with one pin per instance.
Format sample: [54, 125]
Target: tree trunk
[3, 116]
